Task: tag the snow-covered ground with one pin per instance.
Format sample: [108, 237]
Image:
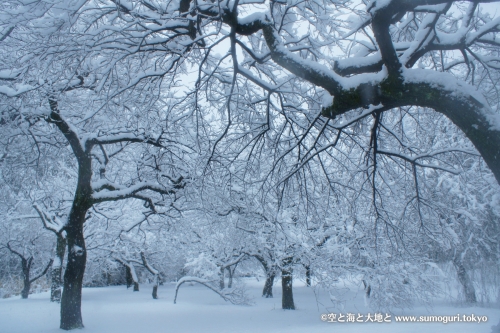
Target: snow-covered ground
[118, 310]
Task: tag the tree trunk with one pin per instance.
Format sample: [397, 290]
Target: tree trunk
[26, 289]
[221, 278]
[71, 300]
[286, 285]
[128, 277]
[267, 292]
[270, 272]
[134, 277]
[230, 281]
[56, 282]
[130, 274]
[71, 314]
[155, 287]
[368, 289]
[152, 270]
[308, 275]
[26, 266]
[56, 272]
[463, 277]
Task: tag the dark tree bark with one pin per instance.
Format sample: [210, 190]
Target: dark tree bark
[368, 289]
[270, 272]
[128, 277]
[267, 292]
[286, 285]
[26, 266]
[155, 273]
[222, 283]
[230, 277]
[155, 289]
[308, 275]
[56, 272]
[71, 315]
[463, 278]
[130, 274]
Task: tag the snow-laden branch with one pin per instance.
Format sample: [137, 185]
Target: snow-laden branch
[155, 273]
[234, 295]
[146, 264]
[9, 74]
[104, 190]
[50, 221]
[127, 263]
[121, 137]
[69, 131]
[393, 85]
[234, 261]
[18, 90]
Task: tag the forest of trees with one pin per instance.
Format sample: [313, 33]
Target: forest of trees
[186, 140]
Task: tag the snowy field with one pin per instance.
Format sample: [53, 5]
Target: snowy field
[116, 309]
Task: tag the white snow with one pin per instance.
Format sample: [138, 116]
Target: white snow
[56, 263]
[120, 310]
[254, 17]
[494, 119]
[6, 74]
[444, 81]
[19, 89]
[378, 5]
[460, 89]
[77, 250]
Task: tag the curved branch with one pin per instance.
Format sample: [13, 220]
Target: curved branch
[44, 271]
[14, 251]
[439, 91]
[233, 295]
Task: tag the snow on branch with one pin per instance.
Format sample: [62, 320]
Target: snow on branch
[128, 263]
[13, 92]
[69, 131]
[50, 221]
[123, 137]
[107, 191]
[148, 266]
[236, 295]
[155, 273]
